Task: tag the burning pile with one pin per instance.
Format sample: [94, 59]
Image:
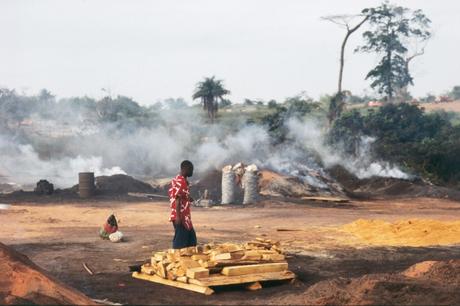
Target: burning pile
[197, 268]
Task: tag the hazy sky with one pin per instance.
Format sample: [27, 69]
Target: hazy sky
[152, 50]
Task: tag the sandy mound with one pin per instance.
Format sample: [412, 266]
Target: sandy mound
[22, 282]
[427, 283]
[437, 271]
[416, 232]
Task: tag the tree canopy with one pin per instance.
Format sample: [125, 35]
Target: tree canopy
[391, 28]
[210, 91]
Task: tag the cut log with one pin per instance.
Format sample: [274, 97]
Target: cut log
[161, 271]
[273, 257]
[254, 257]
[192, 287]
[187, 263]
[147, 270]
[237, 254]
[182, 279]
[326, 199]
[200, 257]
[170, 266]
[221, 280]
[188, 251]
[222, 256]
[180, 272]
[197, 273]
[170, 275]
[254, 286]
[230, 247]
[239, 262]
[254, 269]
[159, 256]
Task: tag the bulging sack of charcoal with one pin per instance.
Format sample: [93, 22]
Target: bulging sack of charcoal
[109, 227]
[228, 185]
[251, 184]
[116, 237]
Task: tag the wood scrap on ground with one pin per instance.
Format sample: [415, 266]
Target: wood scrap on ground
[198, 268]
[326, 199]
[90, 272]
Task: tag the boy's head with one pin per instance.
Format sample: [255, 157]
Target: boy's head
[186, 168]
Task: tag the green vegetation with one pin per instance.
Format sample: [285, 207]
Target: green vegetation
[391, 29]
[426, 143]
[210, 91]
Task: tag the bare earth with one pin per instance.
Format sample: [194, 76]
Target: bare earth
[60, 237]
[446, 106]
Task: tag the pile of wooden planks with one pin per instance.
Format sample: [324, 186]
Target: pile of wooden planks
[198, 268]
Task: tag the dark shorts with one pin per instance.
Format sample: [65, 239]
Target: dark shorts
[182, 237]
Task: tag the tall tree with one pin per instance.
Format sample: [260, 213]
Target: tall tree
[345, 21]
[391, 27]
[337, 102]
[210, 91]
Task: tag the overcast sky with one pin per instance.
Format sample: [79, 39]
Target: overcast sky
[152, 50]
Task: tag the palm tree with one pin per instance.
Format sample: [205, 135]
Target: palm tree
[210, 91]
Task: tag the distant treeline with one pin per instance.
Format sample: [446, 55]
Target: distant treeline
[425, 143]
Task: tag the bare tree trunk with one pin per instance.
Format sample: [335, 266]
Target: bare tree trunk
[389, 80]
[342, 50]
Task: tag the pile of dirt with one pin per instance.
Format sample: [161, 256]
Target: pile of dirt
[431, 287]
[415, 232]
[279, 185]
[388, 187]
[121, 183]
[438, 271]
[118, 184]
[22, 282]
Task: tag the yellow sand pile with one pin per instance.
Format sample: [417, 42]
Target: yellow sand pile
[416, 232]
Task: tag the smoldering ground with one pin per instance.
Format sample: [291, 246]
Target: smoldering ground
[54, 140]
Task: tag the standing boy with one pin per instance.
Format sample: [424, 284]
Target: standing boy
[179, 197]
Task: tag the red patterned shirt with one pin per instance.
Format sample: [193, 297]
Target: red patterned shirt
[179, 188]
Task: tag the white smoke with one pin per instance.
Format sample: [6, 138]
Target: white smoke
[311, 136]
[178, 135]
[25, 167]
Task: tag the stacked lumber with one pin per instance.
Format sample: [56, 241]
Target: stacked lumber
[197, 268]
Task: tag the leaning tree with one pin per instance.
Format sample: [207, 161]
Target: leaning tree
[391, 29]
[210, 91]
[350, 25]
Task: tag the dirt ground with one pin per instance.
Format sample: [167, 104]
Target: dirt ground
[447, 106]
[61, 236]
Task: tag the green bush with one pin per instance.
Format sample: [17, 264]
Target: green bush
[426, 143]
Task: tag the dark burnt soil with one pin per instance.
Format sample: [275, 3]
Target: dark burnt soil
[61, 237]
[389, 188]
[114, 282]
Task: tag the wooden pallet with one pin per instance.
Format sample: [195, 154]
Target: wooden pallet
[326, 199]
[203, 285]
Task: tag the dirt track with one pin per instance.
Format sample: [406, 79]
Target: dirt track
[60, 237]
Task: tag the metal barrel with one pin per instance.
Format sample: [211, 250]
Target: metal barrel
[86, 184]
